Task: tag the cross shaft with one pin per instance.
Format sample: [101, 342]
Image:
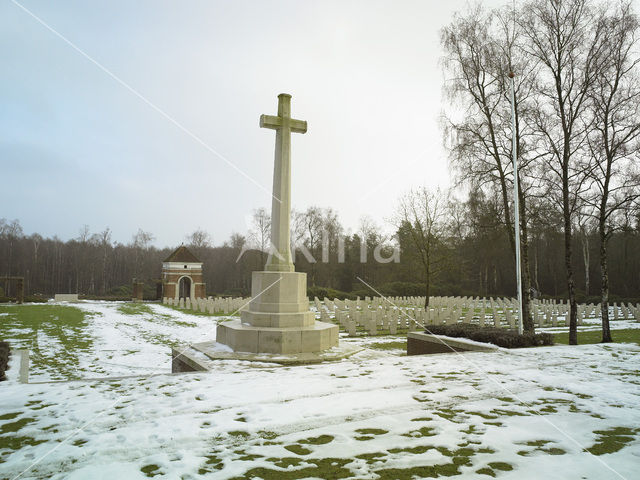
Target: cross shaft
[283, 124]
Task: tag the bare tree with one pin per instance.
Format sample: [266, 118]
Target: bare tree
[36, 240]
[199, 239]
[481, 49]
[614, 142]
[333, 247]
[200, 242]
[236, 241]
[260, 232]
[585, 230]
[12, 232]
[315, 234]
[84, 234]
[80, 258]
[368, 236]
[105, 244]
[141, 242]
[424, 215]
[566, 38]
[313, 225]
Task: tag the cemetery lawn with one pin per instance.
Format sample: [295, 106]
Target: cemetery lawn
[551, 412]
[595, 336]
[54, 334]
[99, 339]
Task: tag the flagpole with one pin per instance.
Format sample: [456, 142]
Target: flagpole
[516, 206]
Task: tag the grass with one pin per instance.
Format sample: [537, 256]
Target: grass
[319, 468]
[459, 457]
[371, 431]
[388, 345]
[627, 335]
[10, 438]
[298, 449]
[135, 309]
[321, 440]
[64, 328]
[613, 439]
[151, 470]
[58, 336]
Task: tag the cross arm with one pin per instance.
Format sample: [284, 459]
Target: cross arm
[269, 121]
[298, 126]
[274, 123]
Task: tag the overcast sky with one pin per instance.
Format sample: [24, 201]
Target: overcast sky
[77, 146]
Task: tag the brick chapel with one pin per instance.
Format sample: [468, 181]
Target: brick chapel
[182, 275]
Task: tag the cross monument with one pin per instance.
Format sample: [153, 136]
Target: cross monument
[278, 319]
[283, 124]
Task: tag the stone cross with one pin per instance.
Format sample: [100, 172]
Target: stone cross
[283, 124]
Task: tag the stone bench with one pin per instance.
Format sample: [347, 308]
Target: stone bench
[66, 297]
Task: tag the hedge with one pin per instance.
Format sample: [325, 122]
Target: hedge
[498, 336]
[4, 359]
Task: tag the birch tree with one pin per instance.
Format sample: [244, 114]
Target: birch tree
[481, 50]
[614, 142]
[565, 37]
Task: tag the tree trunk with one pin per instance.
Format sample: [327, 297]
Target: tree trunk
[104, 272]
[585, 258]
[606, 331]
[507, 214]
[486, 280]
[602, 228]
[527, 320]
[535, 268]
[427, 293]
[573, 313]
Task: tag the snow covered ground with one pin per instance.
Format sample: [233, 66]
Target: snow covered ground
[118, 343]
[554, 412]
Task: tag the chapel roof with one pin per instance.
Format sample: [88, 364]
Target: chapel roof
[182, 254]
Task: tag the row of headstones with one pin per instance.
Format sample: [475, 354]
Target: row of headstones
[373, 316]
[389, 314]
[373, 322]
[591, 310]
[546, 307]
[226, 305]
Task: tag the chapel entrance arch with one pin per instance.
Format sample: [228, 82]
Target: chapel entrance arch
[184, 287]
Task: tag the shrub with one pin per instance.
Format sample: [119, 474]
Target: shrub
[4, 359]
[497, 336]
[124, 291]
[36, 298]
[324, 292]
[235, 292]
[403, 289]
[112, 298]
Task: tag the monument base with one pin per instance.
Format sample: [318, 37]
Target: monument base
[241, 337]
[205, 356]
[278, 319]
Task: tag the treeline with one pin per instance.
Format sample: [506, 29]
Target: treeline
[471, 257]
